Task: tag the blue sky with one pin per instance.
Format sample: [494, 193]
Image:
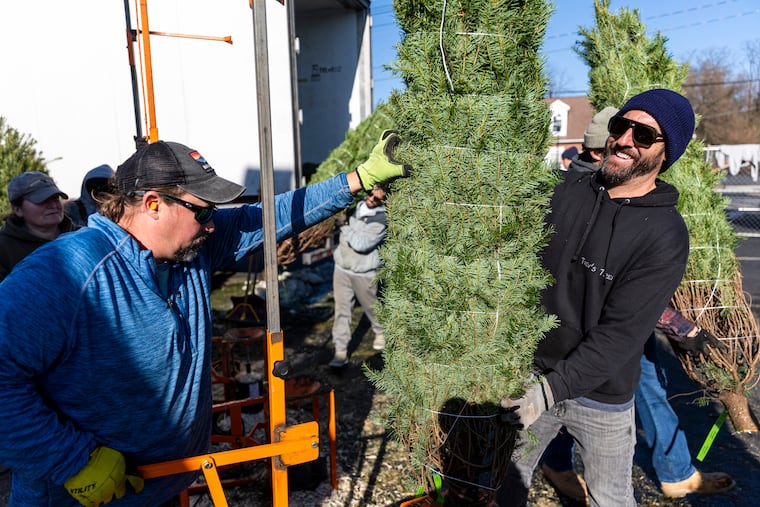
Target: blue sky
[693, 28]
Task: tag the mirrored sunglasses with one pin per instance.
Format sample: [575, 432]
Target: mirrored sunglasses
[203, 214]
[643, 135]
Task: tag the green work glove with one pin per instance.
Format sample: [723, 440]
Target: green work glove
[103, 478]
[381, 167]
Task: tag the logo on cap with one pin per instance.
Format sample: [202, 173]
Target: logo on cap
[202, 161]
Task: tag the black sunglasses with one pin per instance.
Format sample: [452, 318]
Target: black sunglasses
[643, 135]
[202, 214]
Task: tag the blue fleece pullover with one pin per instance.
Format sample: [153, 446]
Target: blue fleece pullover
[91, 352]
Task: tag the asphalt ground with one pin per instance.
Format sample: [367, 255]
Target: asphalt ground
[735, 453]
[731, 452]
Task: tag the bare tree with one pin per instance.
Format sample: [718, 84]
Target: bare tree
[726, 100]
[557, 85]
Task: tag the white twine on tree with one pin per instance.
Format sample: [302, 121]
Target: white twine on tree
[481, 366]
[738, 338]
[382, 113]
[440, 45]
[721, 307]
[483, 34]
[481, 150]
[500, 207]
[496, 313]
[719, 274]
[619, 53]
[707, 247]
[714, 291]
[468, 312]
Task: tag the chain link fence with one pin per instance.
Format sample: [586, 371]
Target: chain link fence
[742, 188]
[743, 210]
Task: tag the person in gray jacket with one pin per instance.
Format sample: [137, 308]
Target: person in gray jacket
[356, 262]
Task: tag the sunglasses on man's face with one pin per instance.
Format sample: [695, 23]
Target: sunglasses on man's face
[203, 214]
[643, 135]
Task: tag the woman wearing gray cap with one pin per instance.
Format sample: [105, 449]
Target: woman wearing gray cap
[36, 217]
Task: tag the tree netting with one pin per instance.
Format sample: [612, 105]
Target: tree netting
[461, 277]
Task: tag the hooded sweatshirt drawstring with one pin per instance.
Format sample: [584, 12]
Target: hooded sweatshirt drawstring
[612, 232]
[589, 224]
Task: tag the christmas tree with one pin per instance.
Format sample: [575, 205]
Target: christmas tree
[461, 275]
[624, 62]
[17, 155]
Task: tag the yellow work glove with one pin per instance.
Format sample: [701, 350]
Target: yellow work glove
[381, 167]
[103, 478]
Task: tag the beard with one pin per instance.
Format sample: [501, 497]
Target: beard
[190, 252]
[641, 166]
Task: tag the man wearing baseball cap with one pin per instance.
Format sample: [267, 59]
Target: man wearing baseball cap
[617, 255]
[116, 371]
[36, 217]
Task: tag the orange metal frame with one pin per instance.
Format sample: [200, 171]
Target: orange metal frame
[146, 63]
[288, 445]
[296, 444]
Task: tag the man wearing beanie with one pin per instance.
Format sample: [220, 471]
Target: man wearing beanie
[671, 458]
[617, 253]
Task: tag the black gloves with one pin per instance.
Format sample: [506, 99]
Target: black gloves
[697, 344]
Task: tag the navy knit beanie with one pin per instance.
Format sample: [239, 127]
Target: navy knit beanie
[673, 113]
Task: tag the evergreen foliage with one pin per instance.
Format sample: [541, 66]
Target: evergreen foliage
[461, 275]
[17, 155]
[354, 150]
[356, 147]
[624, 62]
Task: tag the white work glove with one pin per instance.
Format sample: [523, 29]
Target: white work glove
[538, 398]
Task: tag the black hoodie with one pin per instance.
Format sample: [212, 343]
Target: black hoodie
[616, 264]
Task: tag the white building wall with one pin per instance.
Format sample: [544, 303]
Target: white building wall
[334, 77]
[66, 82]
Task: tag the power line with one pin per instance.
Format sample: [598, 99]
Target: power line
[719, 83]
[664, 30]
[659, 16]
[378, 79]
[381, 25]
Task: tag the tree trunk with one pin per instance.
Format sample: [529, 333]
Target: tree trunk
[739, 412]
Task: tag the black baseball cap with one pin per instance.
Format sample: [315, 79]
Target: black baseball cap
[33, 186]
[166, 164]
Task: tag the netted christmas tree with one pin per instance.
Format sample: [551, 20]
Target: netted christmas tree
[17, 155]
[624, 62]
[461, 275]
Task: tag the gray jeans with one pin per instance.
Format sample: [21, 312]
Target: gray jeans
[606, 443]
[348, 288]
